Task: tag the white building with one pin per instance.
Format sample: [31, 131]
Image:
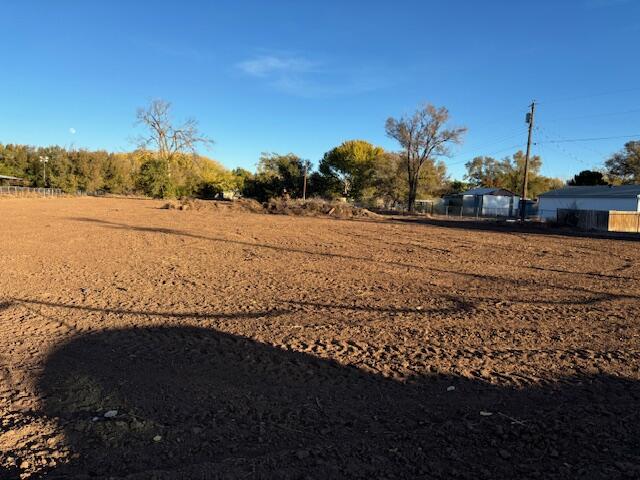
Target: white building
[602, 198]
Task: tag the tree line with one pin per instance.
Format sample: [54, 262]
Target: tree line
[165, 164]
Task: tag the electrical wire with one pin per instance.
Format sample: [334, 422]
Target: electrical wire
[549, 134]
[595, 115]
[501, 139]
[581, 97]
[486, 155]
[593, 139]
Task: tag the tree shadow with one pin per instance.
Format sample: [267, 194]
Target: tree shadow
[457, 305]
[5, 304]
[469, 275]
[586, 274]
[198, 403]
[199, 315]
[181, 233]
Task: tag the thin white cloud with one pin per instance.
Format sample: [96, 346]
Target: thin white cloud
[345, 85]
[265, 65]
[303, 77]
[72, 131]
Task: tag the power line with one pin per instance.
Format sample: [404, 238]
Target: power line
[549, 134]
[581, 97]
[500, 140]
[593, 139]
[563, 151]
[485, 155]
[594, 115]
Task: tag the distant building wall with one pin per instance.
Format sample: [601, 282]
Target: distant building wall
[548, 206]
[500, 205]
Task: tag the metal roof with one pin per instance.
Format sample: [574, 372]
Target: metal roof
[7, 177]
[488, 191]
[600, 191]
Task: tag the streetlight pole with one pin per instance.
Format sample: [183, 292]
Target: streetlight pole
[44, 160]
[304, 185]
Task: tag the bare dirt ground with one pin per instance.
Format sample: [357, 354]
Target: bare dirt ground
[137, 342]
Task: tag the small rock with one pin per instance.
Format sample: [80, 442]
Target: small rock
[554, 453]
[196, 430]
[504, 454]
[24, 465]
[302, 454]
[451, 388]
[110, 414]
[485, 414]
[157, 438]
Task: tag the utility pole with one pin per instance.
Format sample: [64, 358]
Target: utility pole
[525, 180]
[304, 185]
[44, 161]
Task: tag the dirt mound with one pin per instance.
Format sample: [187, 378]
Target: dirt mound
[277, 206]
[241, 205]
[316, 208]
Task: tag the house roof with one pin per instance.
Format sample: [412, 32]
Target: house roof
[489, 191]
[600, 191]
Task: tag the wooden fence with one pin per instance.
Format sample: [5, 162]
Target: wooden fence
[624, 221]
[600, 220]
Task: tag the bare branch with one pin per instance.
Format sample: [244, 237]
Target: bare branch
[423, 139]
[165, 139]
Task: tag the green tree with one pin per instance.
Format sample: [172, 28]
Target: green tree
[277, 174]
[508, 173]
[457, 186]
[130, 172]
[173, 149]
[424, 137]
[391, 179]
[588, 178]
[484, 172]
[624, 166]
[154, 179]
[513, 172]
[353, 165]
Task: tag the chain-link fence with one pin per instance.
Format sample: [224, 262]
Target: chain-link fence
[30, 191]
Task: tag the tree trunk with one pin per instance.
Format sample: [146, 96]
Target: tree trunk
[411, 200]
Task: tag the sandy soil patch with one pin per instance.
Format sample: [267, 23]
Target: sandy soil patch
[143, 342]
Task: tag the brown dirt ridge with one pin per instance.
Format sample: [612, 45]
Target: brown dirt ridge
[147, 343]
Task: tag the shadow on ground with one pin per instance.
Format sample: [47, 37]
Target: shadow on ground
[223, 406]
[471, 275]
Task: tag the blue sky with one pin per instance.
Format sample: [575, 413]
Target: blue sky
[303, 76]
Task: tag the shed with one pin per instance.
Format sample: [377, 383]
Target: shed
[486, 202]
[624, 198]
[9, 180]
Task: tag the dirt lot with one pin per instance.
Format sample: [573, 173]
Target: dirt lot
[144, 343]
